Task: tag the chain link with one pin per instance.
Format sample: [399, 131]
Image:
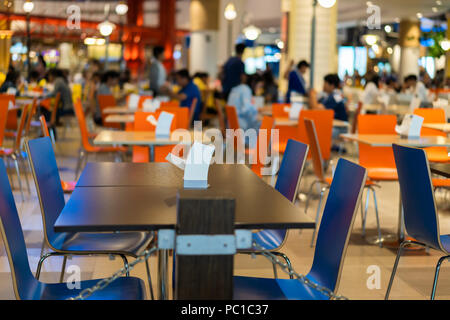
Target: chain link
[291, 272]
[102, 284]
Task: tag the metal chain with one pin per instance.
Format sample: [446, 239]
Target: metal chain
[291, 272]
[86, 293]
[102, 284]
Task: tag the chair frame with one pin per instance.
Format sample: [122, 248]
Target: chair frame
[324, 186]
[66, 254]
[406, 243]
[276, 251]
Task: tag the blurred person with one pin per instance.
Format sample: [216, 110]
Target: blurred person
[270, 87]
[371, 90]
[201, 80]
[57, 78]
[417, 88]
[296, 80]
[187, 93]
[241, 98]
[330, 98]
[158, 74]
[109, 81]
[12, 82]
[232, 71]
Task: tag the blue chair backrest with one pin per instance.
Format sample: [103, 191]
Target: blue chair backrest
[48, 184]
[291, 169]
[421, 220]
[25, 284]
[337, 221]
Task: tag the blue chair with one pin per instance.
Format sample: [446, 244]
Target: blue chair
[51, 198]
[334, 232]
[419, 207]
[26, 286]
[289, 175]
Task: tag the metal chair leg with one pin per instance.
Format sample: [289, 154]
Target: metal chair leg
[26, 169]
[397, 259]
[362, 213]
[147, 267]
[436, 275]
[317, 216]
[81, 155]
[309, 195]
[366, 208]
[377, 216]
[16, 165]
[275, 273]
[286, 259]
[63, 270]
[125, 264]
[42, 259]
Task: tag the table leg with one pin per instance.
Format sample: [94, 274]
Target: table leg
[152, 153]
[163, 271]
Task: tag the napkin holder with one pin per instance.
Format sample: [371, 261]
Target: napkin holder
[410, 127]
[196, 166]
[163, 124]
[294, 110]
[133, 101]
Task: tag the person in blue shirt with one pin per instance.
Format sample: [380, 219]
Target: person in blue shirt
[296, 80]
[188, 92]
[330, 98]
[232, 71]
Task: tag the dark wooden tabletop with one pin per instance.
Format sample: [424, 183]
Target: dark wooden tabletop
[442, 169]
[111, 174]
[149, 202]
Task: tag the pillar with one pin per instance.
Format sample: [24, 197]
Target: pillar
[236, 28]
[134, 53]
[410, 47]
[204, 36]
[5, 39]
[167, 9]
[299, 39]
[447, 54]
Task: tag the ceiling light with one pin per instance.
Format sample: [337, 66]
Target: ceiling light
[280, 44]
[122, 8]
[106, 28]
[252, 33]
[370, 39]
[28, 6]
[230, 12]
[390, 50]
[445, 44]
[327, 3]
[388, 28]
[439, 2]
[419, 15]
[434, 9]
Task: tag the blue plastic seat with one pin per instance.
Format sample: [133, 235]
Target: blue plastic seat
[26, 286]
[338, 217]
[288, 180]
[419, 207]
[51, 198]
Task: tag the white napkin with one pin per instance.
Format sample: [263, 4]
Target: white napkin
[150, 105]
[294, 111]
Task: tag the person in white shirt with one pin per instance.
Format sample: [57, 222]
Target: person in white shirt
[416, 88]
[371, 90]
[158, 74]
[241, 98]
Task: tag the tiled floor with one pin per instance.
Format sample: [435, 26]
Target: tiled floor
[413, 281]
